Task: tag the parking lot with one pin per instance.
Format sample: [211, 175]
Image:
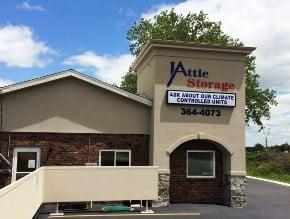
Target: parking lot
[265, 201]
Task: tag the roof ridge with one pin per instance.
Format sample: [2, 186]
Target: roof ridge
[37, 78]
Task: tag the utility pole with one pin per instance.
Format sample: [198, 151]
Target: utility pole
[266, 133]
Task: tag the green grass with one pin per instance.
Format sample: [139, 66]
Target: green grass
[269, 164]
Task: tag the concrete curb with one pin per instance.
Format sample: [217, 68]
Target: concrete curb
[268, 180]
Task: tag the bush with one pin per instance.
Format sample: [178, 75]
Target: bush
[269, 163]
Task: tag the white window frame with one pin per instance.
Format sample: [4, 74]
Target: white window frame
[24, 149]
[115, 150]
[205, 151]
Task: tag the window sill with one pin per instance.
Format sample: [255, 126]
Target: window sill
[200, 177]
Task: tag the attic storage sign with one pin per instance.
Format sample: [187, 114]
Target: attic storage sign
[198, 79]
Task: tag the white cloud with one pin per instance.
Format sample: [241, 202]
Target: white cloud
[108, 68]
[19, 48]
[278, 124]
[156, 9]
[260, 23]
[4, 82]
[30, 7]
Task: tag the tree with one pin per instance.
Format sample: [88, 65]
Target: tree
[129, 81]
[259, 147]
[197, 28]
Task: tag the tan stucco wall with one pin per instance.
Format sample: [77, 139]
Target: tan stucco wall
[22, 198]
[146, 79]
[73, 106]
[170, 127]
[146, 85]
[93, 183]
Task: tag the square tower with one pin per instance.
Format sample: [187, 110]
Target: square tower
[197, 131]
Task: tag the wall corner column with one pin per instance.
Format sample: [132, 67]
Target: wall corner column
[163, 189]
[236, 191]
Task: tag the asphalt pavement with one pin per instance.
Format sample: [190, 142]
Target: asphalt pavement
[265, 201]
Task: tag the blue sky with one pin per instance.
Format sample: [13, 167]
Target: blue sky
[42, 37]
[70, 27]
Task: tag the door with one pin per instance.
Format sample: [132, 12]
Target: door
[25, 161]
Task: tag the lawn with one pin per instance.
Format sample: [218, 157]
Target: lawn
[269, 164]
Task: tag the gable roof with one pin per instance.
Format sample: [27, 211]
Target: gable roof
[78, 75]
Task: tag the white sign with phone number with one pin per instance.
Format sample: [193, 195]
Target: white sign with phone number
[201, 98]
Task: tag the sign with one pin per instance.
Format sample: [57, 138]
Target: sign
[201, 98]
[197, 78]
[31, 164]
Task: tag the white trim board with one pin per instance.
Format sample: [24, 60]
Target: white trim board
[201, 177]
[16, 150]
[269, 180]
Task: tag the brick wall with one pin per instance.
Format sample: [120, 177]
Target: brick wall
[189, 190]
[72, 149]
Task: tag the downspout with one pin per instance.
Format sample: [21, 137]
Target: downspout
[1, 129]
[89, 149]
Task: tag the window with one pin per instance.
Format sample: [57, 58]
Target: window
[201, 164]
[115, 158]
[25, 161]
